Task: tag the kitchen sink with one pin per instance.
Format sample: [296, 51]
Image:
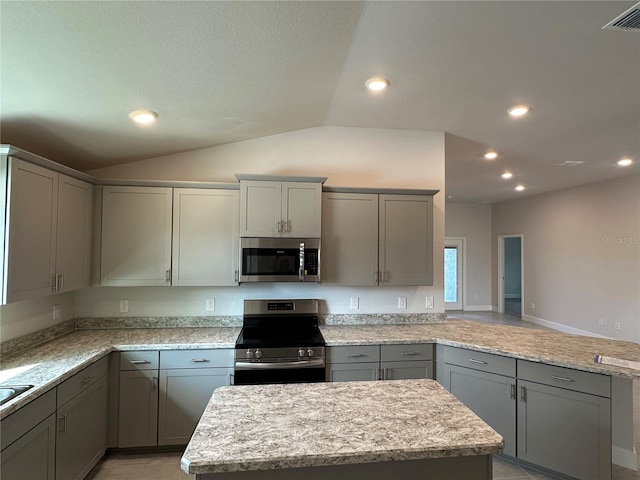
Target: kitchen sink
[8, 392]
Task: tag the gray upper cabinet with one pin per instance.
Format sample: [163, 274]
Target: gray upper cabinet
[280, 209]
[47, 230]
[205, 237]
[372, 239]
[136, 236]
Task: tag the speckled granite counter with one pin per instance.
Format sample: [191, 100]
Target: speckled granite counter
[53, 362]
[311, 425]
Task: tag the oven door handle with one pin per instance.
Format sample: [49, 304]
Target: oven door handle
[315, 362]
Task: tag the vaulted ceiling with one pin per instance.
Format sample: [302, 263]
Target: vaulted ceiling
[219, 72]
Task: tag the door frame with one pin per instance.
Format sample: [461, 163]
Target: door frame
[501, 266]
[461, 244]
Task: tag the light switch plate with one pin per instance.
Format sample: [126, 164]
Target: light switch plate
[124, 306]
[428, 302]
[354, 303]
[210, 304]
[402, 302]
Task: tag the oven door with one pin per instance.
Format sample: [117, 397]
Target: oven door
[257, 373]
[279, 260]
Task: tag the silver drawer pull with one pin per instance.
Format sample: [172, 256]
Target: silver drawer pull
[138, 362]
[86, 379]
[481, 362]
[355, 355]
[199, 360]
[409, 353]
[562, 379]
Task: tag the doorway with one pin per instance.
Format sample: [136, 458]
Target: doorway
[510, 280]
[453, 273]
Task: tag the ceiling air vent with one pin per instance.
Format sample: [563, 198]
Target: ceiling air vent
[568, 163]
[628, 21]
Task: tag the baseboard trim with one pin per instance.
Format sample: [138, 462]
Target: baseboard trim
[478, 308]
[624, 458]
[560, 327]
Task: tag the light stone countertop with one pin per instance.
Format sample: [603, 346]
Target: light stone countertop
[266, 427]
[51, 363]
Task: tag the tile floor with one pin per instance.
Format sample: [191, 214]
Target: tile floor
[166, 465]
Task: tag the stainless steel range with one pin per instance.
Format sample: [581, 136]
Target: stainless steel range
[280, 342]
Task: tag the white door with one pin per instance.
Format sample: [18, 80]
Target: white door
[453, 273]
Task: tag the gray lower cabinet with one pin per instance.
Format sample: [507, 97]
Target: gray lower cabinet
[28, 439]
[187, 380]
[379, 362]
[138, 402]
[556, 418]
[82, 432]
[561, 428]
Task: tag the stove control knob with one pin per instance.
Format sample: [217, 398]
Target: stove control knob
[310, 352]
[301, 353]
[258, 353]
[249, 354]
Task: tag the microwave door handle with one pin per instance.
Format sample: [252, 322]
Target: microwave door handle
[301, 269]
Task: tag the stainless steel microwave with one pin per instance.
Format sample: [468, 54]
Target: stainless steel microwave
[279, 259]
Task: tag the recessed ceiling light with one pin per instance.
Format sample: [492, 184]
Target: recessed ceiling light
[518, 110]
[520, 188]
[507, 175]
[625, 162]
[491, 155]
[143, 116]
[377, 83]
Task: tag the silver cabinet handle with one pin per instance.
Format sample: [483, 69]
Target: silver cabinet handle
[54, 283]
[288, 230]
[523, 394]
[562, 379]
[513, 391]
[375, 277]
[199, 360]
[301, 269]
[237, 276]
[409, 353]
[279, 226]
[62, 421]
[60, 286]
[86, 379]
[154, 383]
[168, 277]
[138, 362]
[481, 362]
[355, 355]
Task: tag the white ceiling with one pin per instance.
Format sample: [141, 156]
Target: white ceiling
[219, 72]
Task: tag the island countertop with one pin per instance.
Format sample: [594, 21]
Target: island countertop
[266, 427]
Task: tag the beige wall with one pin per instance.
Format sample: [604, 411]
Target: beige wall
[357, 157]
[20, 318]
[473, 223]
[581, 251]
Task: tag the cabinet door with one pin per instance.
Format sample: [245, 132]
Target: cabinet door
[565, 431]
[136, 236]
[30, 257]
[82, 432]
[33, 456]
[406, 370]
[138, 413]
[349, 239]
[260, 208]
[490, 396]
[352, 372]
[301, 209]
[205, 237]
[73, 252]
[406, 240]
[184, 394]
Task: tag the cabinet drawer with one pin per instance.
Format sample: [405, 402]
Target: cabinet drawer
[27, 417]
[403, 353]
[485, 362]
[568, 378]
[353, 354]
[140, 360]
[81, 381]
[197, 358]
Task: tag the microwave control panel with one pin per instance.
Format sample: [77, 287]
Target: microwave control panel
[311, 262]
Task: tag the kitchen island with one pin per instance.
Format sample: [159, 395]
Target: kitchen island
[372, 430]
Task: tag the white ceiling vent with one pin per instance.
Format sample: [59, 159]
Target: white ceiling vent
[568, 163]
[628, 21]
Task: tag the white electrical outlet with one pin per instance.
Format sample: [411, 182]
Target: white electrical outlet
[533, 306]
[354, 303]
[617, 325]
[428, 302]
[124, 306]
[56, 312]
[601, 321]
[402, 302]
[210, 304]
